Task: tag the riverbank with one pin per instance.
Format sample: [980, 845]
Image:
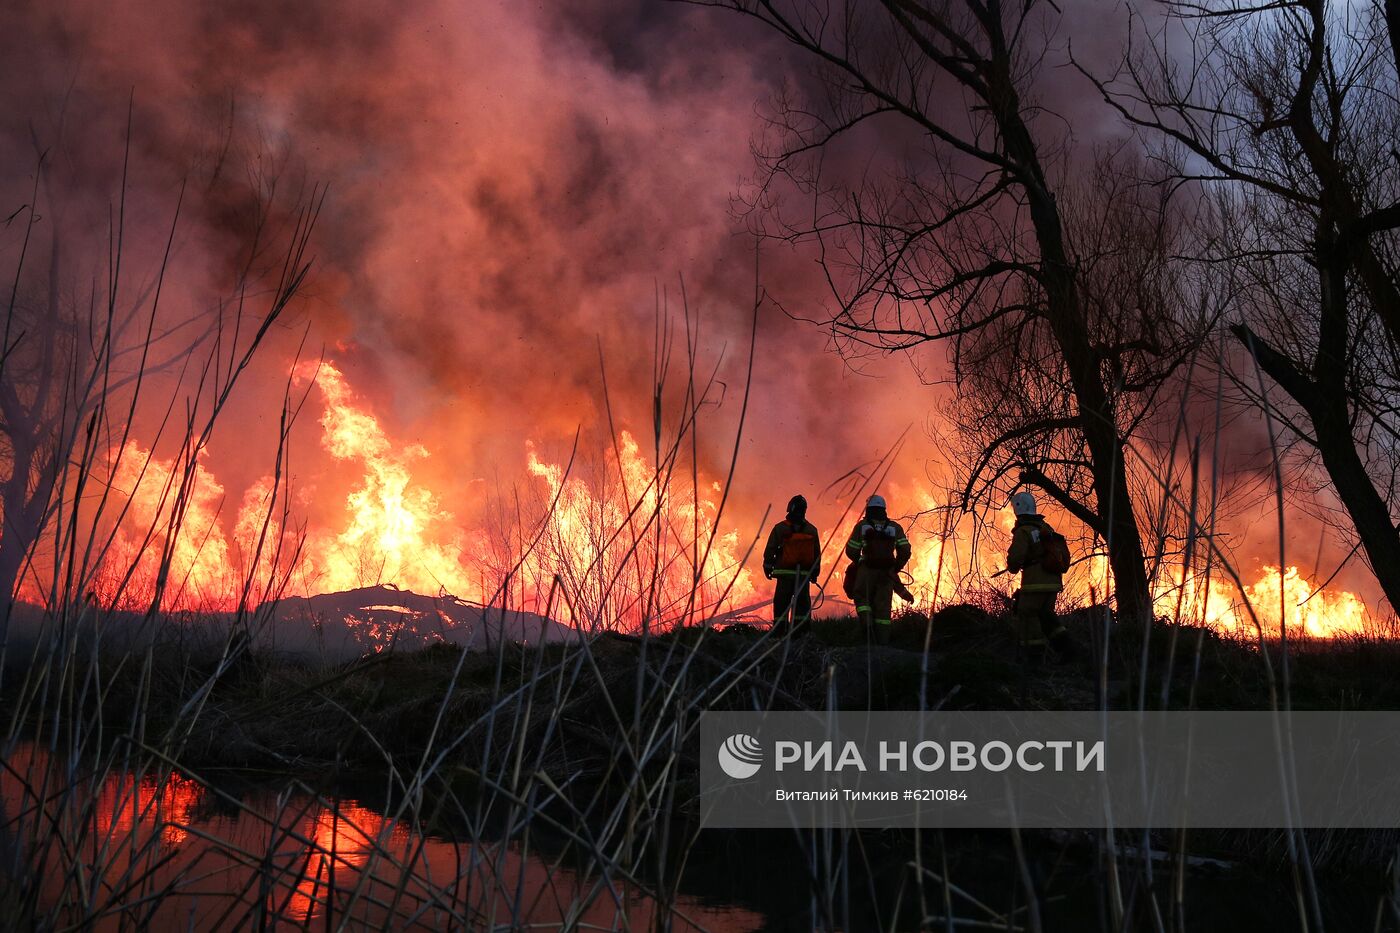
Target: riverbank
[590, 743]
[232, 707]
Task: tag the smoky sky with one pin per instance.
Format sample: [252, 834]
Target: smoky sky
[512, 190]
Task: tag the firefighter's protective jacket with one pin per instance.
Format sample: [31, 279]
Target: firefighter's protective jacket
[875, 523]
[1025, 555]
[773, 563]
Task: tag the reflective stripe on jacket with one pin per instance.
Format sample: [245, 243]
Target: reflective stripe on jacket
[855, 545]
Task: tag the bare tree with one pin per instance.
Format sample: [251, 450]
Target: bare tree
[82, 347]
[1290, 110]
[1014, 407]
[968, 239]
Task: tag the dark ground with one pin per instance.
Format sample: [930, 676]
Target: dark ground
[268, 716]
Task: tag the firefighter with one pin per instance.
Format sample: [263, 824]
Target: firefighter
[794, 558]
[1038, 552]
[880, 550]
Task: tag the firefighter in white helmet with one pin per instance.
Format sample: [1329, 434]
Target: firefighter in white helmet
[880, 550]
[1041, 555]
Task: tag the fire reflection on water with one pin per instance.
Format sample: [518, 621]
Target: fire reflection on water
[163, 851]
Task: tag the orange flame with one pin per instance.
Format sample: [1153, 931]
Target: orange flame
[617, 547]
[156, 523]
[620, 549]
[944, 567]
[627, 546]
[944, 570]
[395, 530]
[1277, 600]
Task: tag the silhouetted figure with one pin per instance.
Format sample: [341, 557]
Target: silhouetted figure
[793, 557]
[880, 550]
[1041, 556]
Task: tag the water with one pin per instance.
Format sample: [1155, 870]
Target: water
[142, 851]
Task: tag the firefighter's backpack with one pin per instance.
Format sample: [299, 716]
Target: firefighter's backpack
[1054, 556]
[878, 551]
[799, 549]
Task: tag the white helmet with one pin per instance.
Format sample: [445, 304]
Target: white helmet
[1023, 503]
[876, 501]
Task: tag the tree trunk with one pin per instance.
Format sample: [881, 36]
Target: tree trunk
[1067, 322]
[11, 560]
[15, 539]
[22, 512]
[1377, 533]
[1335, 445]
[1115, 507]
